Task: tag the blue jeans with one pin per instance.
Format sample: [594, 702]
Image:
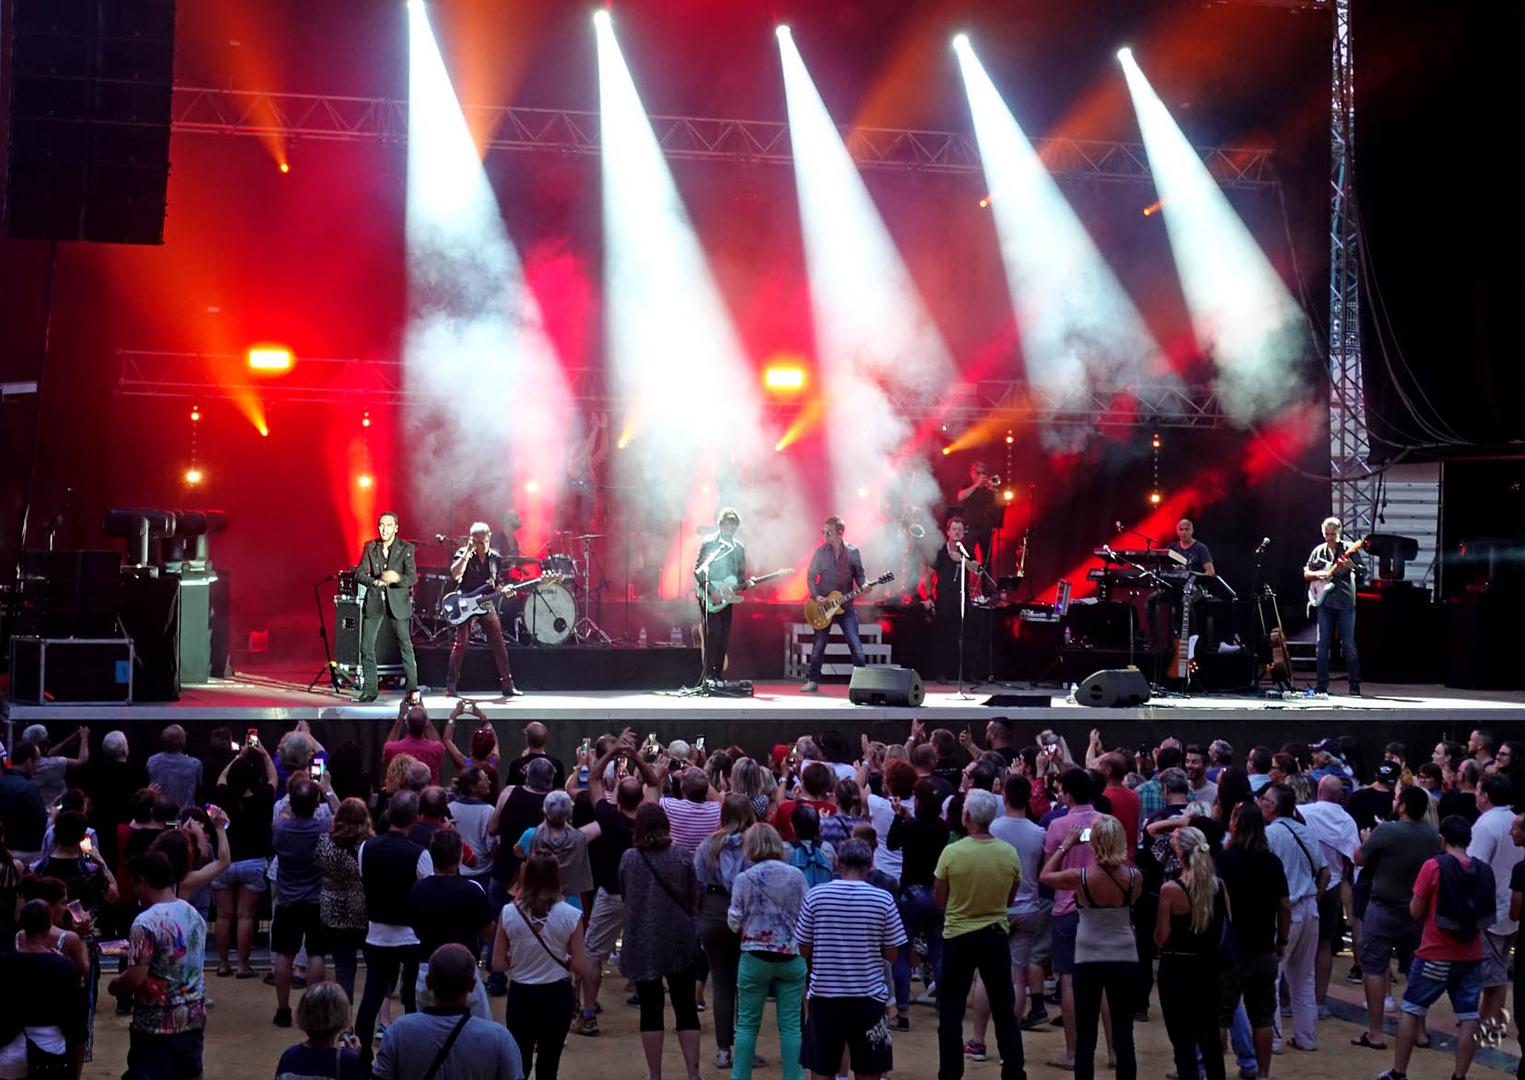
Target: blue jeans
[848, 620]
[921, 916]
[1345, 621]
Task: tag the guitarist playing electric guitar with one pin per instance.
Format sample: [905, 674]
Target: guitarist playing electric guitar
[721, 558]
[837, 567]
[1331, 572]
[475, 565]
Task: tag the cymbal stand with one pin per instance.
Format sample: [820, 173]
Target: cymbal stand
[587, 631]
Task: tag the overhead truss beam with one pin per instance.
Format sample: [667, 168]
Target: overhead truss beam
[328, 117]
[365, 384]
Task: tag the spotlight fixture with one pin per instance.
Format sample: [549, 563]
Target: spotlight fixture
[193, 476]
[783, 31]
[1155, 442]
[195, 414]
[365, 481]
[1155, 497]
[270, 359]
[365, 421]
[285, 166]
[960, 41]
[601, 18]
[1125, 54]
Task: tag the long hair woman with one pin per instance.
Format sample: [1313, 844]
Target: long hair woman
[661, 894]
[716, 863]
[539, 945]
[765, 906]
[246, 791]
[1188, 931]
[837, 829]
[341, 901]
[1106, 952]
[756, 783]
[1257, 894]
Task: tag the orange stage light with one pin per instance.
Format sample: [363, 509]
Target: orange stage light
[947, 450]
[985, 203]
[1155, 498]
[193, 476]
[285, 166]
[264, 432]
[195, 414]
[270, 359]
[784, 378]
[365, 480]
[365, 421]
[1008, 495]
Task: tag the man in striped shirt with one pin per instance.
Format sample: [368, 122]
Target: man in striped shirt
[848, 929]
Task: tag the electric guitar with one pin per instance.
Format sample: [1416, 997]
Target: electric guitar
[1185, 663]
[1319, 588]
[721, 593]
[457, 607]
[820, 614]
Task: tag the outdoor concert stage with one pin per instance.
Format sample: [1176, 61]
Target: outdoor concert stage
[273, 701]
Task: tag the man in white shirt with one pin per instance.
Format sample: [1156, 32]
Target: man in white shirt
[1492, 844]
[1302, 859]
[1339, 840]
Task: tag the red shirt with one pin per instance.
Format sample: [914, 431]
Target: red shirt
[430, 751]
[1435, 943]
[781, 820]
[1125, 808]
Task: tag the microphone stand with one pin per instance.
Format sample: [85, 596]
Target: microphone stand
[330, 669]
[702, 576]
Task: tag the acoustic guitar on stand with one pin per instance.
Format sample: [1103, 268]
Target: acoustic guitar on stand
[820, 614]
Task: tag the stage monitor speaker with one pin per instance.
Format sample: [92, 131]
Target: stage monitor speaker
[347, 638]
[88, 155]
[885, 684]
[151, 617]
[1114, 688]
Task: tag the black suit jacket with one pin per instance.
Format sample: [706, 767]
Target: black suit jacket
[381, 598]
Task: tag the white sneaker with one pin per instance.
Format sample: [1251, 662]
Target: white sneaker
[722, 1058]
[810, 687]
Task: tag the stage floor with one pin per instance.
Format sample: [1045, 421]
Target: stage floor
[279, 697]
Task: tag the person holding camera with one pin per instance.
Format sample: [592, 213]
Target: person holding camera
[1075, 794]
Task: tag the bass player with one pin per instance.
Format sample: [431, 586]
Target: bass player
[475, 565]
[836, 566]
[1338, 566]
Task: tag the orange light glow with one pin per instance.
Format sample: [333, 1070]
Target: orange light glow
[365, 421]
[809, 417]
[947, 450]
[1008, 495]
[1155, 498]
[784, 378]
[193, 476]
[365, 481]
[285, 166]
[985, 203]
[264, 432]
[1010, 438]
[195, 414]
[270, 359]
[1152, 209]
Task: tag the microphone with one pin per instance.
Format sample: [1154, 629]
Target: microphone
[1261, 550]
[1118, 525]
[963, 551]
[441, 538]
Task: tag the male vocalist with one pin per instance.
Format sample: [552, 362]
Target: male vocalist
[1329, 562]
[980, 511]
[720, 557]
[386, 570]
[475, 565]
[955, 582]
[836, 566]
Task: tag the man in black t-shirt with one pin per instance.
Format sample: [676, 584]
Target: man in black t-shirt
[1373, 804]
[447, 908]
[1259, 898]
[1198, 559]
[535, 738]
[477, 565]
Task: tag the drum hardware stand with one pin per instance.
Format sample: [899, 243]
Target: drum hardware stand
[340, 682]
[587, 631]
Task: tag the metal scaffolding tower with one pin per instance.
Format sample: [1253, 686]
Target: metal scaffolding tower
[1353, 484]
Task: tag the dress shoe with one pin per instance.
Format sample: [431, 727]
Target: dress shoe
[363, 699]
[509, 690]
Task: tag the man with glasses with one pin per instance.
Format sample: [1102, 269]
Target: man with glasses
[836, 566]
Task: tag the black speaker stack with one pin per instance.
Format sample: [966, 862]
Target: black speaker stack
[88, 155]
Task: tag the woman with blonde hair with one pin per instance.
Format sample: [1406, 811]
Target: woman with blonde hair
[717, 862]
[1106, 953]
[756, 783]
[1188, 932]
[765, 906]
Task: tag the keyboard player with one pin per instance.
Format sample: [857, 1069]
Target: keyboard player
[1165, 604]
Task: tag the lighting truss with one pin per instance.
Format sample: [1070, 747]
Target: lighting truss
[328, 117]
[378, 383]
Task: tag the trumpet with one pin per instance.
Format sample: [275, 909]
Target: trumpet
[994, 481]
[916, 531]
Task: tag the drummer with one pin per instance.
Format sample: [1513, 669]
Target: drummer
[518, 568]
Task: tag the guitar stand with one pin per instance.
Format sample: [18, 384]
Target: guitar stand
[586, 631]
[340, 682]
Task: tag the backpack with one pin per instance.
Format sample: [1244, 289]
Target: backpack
[810, 860]
[1465, 900]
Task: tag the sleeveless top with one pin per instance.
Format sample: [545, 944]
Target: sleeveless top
[1186, 942]
[1105, 934]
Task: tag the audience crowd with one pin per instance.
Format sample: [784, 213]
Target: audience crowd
[1023, 888]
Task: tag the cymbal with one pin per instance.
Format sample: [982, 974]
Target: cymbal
[589, 536]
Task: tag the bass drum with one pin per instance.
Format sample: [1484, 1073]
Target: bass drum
[550, 614]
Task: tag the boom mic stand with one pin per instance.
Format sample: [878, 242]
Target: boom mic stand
[338, 680]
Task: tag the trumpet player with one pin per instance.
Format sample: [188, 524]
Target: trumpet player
[981, 509]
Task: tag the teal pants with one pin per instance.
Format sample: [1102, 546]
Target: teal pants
[755, 979]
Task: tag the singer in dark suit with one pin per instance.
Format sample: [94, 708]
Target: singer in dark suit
[386, 570]
[720, 557]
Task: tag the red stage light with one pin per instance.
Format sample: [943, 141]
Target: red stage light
[365, 421]
[270, 359]
[365, 481]
[195, 414]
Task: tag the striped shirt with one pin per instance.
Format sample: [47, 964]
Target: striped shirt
[690, 821]
[847, 925]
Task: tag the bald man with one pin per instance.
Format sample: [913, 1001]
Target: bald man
[1340, 839]
[535, 737]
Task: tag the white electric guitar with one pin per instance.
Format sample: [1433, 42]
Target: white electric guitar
[1319, 587]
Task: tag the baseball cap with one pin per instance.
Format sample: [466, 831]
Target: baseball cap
[1330, 745]
[1388, 772]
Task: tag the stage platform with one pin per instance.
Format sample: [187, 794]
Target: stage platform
[272, 702]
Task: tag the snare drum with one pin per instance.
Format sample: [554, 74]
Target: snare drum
[559, 564]
[550, 614]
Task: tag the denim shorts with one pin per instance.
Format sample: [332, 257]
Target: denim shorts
[1062, 933]
[246, 873]
[1462, 979]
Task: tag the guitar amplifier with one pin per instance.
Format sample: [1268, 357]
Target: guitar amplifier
[347, 639]
[77, 671]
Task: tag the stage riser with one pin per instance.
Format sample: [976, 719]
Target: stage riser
[566, 668]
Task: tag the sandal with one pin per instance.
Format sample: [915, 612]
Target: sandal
[1365, 1040]
[224, 970]
[246, 973]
